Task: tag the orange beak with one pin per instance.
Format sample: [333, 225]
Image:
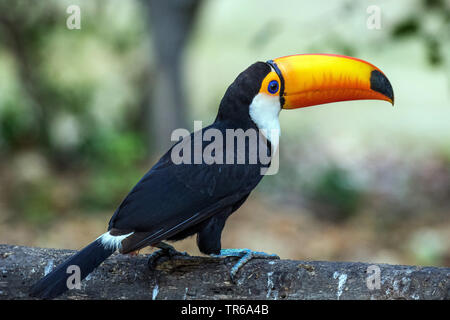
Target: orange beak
[312, 79]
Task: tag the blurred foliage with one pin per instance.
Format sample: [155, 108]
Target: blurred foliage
[34, 201]
[74, 99]
[430, 22]
[113, 158]
[334, 195]
[426, 20]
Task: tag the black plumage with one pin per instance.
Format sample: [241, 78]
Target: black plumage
[174, 201]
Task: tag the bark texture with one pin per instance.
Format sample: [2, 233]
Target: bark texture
[187, 277]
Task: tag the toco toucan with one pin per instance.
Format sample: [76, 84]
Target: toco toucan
[176, 199]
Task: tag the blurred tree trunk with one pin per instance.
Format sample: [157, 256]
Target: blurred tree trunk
[171, 23]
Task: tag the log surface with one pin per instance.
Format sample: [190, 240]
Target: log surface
[127, 277]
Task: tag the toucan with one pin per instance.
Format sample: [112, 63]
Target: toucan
[177, 199]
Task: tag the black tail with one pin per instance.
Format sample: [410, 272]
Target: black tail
[55, 283]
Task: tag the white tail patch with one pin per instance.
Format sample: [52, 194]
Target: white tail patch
[112, 242]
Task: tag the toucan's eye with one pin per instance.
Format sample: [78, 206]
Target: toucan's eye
[273, 86]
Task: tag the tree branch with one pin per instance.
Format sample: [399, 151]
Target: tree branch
[126, 277]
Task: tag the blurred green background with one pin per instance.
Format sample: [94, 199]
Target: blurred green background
[84, 113]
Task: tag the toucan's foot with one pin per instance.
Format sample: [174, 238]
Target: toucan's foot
[166, 251]
[245, 256]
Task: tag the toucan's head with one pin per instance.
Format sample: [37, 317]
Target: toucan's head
[298, 81]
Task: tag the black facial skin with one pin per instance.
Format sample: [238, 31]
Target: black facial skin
[277, 70]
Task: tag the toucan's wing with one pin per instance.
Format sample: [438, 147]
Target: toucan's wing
[172, 197]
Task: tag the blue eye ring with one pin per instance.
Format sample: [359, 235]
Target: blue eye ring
[273, 86]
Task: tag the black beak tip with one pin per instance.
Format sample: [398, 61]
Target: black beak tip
[381, 84]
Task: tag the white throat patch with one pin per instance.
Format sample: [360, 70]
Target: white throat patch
[264, 111]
